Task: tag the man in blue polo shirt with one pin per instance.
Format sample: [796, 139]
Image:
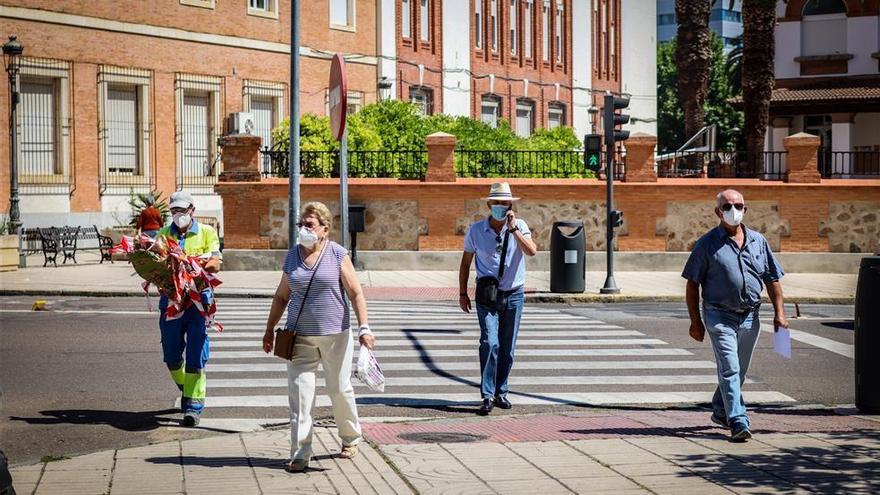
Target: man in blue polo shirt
[486, 240]
[731, 264]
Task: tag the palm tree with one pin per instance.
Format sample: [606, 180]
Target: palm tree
[693, 54]
[758, 78]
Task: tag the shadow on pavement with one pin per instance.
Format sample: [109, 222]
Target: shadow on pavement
[221, 462]
[846, 466]
[842, 324]
[655, 431]
[121, 420]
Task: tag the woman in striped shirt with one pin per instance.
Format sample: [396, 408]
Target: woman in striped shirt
[316, 273]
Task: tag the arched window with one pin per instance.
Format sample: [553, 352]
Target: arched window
[823, 7]
[823, 28]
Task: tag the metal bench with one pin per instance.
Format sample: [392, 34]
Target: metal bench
[66, 241]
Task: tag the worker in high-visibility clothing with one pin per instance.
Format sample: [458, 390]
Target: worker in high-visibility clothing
[188, 334]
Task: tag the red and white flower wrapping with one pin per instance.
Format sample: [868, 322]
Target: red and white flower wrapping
[177, 275]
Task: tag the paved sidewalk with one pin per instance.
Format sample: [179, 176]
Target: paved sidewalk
[119, 279]
[619, 452]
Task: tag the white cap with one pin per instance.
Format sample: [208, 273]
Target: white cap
[181, 199]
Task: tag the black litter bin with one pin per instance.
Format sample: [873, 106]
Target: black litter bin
[567, 264]
[867, 336]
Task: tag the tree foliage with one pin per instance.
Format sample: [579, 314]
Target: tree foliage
[716, 110]
[396, 125]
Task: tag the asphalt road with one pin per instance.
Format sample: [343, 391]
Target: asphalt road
[92, 378]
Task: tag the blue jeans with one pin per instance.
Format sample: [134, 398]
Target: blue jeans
[733, 338]
[498, 329]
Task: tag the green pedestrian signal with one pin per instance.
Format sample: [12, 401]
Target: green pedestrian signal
[593, 152]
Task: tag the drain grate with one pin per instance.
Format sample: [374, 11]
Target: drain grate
[324, 423]
[441, 437]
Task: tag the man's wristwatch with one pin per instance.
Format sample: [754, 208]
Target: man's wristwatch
[514, 229]
[364, 330]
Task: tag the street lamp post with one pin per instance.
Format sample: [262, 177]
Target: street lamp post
[12, 50]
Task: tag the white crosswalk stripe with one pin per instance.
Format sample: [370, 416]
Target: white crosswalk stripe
[429, 352]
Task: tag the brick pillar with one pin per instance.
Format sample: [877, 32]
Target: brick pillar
[84, 143]
[801, 162]
[640, 158]
[241, 158]
[441, 157]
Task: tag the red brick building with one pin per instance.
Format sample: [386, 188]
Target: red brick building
[131, 96]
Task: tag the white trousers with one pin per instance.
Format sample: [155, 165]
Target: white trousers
[334, 353]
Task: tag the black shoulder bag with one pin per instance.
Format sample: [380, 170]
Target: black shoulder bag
[487, 287]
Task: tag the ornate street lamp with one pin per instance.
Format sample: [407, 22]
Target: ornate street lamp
[384, 86]
[12, 51]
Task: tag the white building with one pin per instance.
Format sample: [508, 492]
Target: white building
[828, 82]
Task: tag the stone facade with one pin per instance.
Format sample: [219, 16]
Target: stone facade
[685, 222]
[392, 225]
[852, 227]
[540, 216]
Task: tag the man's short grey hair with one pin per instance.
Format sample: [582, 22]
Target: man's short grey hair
[720, 196]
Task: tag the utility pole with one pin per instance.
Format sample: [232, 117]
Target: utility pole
[293, 175]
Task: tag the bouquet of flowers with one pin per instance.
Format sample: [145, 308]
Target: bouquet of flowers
[180, 277]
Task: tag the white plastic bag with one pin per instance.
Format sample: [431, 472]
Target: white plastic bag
[368, 370]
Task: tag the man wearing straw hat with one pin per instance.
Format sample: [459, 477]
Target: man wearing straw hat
[499, 243]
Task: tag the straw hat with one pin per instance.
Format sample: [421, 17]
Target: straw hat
[500, 191]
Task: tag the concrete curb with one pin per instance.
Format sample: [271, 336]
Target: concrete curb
[623, 298]
[541, 297]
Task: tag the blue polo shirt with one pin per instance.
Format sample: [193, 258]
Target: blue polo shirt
[482, 240]
[732, 278]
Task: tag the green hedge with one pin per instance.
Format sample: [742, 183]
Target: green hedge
[395, 125]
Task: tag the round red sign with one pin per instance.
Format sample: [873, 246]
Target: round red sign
[338, 96]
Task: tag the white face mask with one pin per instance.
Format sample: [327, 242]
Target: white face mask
[307, 237]
[733, 217]
[182, 220]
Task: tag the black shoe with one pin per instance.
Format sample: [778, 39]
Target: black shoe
[190, 420]
[486, 408]
[502, 402]
[718, 420]
[740, 434]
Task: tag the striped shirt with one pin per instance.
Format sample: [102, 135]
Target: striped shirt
[326, 309]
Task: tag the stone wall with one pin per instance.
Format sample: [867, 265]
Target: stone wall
[541, 215]
[852, 227]
[807, 214]
[686, 221]
[669, 215]
[392, 225]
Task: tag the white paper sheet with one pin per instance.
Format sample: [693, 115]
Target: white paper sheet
[782, 342]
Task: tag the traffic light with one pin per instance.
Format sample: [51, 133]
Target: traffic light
[593, 152]
[616, 219]
[614, 119]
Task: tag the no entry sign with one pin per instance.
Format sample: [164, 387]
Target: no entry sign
[338, 97]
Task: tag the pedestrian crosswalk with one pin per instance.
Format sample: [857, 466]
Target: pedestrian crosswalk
[429, 353]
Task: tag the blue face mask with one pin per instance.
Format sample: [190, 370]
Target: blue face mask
[499, 212]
